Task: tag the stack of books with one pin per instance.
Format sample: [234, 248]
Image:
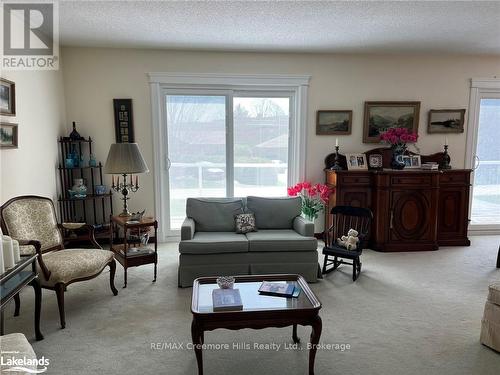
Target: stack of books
[279, 289]
[226, 300]
[430, 166]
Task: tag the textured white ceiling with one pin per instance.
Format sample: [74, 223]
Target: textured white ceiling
[326, 26]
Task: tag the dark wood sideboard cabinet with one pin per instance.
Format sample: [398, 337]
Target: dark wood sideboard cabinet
[414, 210]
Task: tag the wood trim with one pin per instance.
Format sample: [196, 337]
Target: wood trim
[229, 79]
[485, 83]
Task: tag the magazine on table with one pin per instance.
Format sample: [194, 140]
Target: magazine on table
[279, 289]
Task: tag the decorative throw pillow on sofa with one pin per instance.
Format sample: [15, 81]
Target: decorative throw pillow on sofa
[245, 223]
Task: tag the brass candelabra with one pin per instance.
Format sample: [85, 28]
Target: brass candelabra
[124, 188]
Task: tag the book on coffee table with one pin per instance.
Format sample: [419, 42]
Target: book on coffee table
[277, 289]
[226, 300]
[137, 251]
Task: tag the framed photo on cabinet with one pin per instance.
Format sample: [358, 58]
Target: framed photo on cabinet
[356, 162]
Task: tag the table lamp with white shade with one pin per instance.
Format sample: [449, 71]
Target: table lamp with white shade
[125, 159]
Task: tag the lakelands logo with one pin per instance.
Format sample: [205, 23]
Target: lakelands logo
[15, 364]
[30, 36]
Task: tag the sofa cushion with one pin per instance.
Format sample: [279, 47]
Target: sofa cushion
[245, 223]
[274, 213]
[280, 240]
[214, 243]
[71, 264]
[214, 214]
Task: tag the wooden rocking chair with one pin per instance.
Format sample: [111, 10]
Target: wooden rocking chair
[345, 218]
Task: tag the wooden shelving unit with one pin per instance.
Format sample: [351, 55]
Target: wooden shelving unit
[93, 209]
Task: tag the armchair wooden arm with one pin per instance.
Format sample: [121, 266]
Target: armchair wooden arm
[90, 235]
[38, 248]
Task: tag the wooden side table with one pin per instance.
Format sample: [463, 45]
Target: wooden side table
[132, 233]
[15, 279]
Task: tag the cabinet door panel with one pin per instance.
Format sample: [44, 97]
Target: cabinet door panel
[453, 216]
[410, 216]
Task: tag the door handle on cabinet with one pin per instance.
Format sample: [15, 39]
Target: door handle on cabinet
[392, 220]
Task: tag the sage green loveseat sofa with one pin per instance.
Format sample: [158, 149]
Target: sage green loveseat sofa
[283, 243]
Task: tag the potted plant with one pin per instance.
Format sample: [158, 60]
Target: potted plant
[314, 199]
[398, 139]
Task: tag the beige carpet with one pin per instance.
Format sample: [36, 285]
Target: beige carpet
[408, 313]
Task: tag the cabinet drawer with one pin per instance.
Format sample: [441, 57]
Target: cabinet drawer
[454, 178]
[418, 180]
[355, 180]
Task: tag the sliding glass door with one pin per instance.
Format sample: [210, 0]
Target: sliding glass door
[196, 134]
[486, 189]
[261, 132]
[224, 144]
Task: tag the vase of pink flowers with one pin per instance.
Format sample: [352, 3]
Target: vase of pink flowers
[314, 198]
[398, 138]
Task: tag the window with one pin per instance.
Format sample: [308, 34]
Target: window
[483, 155]
[486, 191]
[214, 138]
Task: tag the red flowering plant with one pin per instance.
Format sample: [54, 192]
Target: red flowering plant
[398, 137]
[314, 198]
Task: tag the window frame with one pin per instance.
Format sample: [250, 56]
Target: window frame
[480, 88]
[231, 85]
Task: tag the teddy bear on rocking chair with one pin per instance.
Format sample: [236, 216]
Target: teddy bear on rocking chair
[350, 242]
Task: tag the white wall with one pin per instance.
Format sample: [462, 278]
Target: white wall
[93, 77]
[31, 168]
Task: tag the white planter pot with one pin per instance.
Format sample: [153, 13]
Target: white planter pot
[319, 223]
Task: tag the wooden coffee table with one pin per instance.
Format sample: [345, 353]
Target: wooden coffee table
[258, 312]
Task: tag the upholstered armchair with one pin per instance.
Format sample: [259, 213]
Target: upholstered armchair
[32, 221]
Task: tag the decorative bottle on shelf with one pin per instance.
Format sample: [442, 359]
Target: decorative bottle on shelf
[92, 161]
[74, 135]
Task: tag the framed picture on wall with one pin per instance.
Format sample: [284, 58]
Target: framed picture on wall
[356, 161]
[124, 125]
[7, 97]
[446, 121]
[380, 116]
[332, 122]
[8, 135]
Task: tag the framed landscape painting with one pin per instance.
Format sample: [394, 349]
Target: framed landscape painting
[380, 116]
[331, 122]
[7, 97]
[446, 121]
[8, 135]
